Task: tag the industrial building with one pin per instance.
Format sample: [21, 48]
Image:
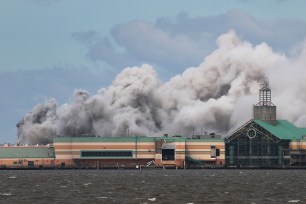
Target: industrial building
[262, 142]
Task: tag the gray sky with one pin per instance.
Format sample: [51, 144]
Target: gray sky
[50, 47]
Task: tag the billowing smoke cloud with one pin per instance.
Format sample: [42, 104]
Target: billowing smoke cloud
[211, 96]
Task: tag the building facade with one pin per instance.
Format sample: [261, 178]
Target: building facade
[27, 157]
[265, 141]
[132, 152]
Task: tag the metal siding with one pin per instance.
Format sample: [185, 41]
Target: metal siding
[27, 152]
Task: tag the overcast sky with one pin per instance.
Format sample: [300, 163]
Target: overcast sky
[48, 48]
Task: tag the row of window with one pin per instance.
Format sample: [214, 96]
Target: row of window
[167, 154]
[106, 154]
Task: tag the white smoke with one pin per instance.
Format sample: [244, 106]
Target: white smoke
[38, 126]
[212, 97]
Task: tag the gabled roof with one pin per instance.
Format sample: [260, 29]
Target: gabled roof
[280, 130]
[26, 152]
[283, 129]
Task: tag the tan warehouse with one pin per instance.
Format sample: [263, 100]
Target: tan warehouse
[104, 152]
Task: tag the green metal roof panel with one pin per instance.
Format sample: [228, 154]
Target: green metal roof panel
[283, 129]
[117, 139]
[205, 140]
[27, 152]
[303, 131]
[101, 139]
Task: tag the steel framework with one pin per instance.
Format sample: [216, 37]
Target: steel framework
[265, 109]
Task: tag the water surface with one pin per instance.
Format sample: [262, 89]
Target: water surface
[153, 186]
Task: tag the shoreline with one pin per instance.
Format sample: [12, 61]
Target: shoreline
[151, 168]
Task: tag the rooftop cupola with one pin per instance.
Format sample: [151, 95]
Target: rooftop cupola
[265, 110]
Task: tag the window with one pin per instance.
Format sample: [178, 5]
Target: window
[213, 151]
[30, 163]
[106, 154]
[217, 152]
[168, 154]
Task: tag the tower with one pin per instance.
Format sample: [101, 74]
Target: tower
[265, 110]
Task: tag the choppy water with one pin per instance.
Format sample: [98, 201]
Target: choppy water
[153, 186]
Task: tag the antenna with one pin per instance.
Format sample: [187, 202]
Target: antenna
[265, 81]
[265, 93]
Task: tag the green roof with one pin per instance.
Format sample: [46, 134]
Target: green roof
[26, 152]
[283, 129]
[117, 139]
[304, 131]
[205, 140]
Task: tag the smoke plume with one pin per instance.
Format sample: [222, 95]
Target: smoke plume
[216, 96]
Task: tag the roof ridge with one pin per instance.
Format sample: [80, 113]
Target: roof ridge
[283, 129]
